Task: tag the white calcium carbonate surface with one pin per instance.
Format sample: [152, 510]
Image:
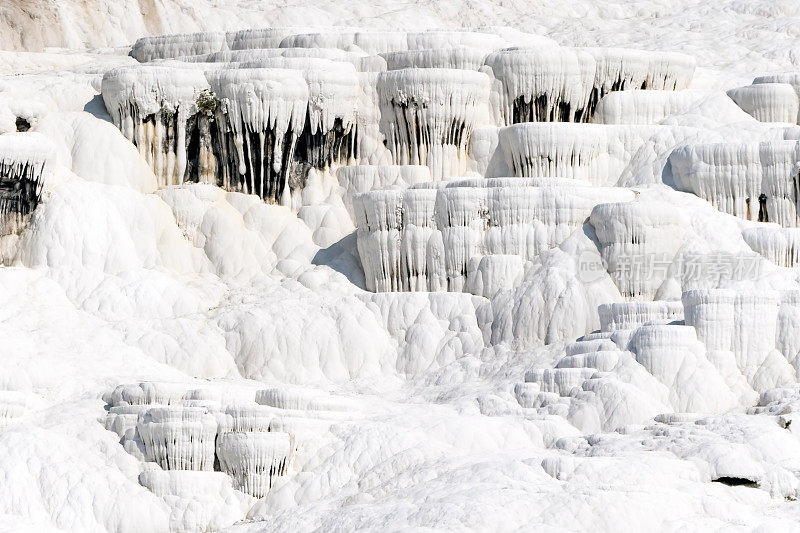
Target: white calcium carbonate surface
[283, 267]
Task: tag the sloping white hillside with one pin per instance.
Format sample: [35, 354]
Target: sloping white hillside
[441, 266]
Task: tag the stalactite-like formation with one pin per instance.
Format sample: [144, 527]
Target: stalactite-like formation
[618, 69]
[768, 102]
[179, 437]
[250, 130]
[261, 114]
[754, 181]
[628, 315]
[427, 116]
[751, 326]
[255, 459]
[779, 245]
[330, 132]
[457, 58]
[593, 152]
[153, 107]
[441, 86]
[425, 238]
[639, 241]
[544, 85]
[549, 84]
[23, 161]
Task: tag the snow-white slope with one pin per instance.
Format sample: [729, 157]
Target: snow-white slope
[313, 278]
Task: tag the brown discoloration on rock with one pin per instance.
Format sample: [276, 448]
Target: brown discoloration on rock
[151, 16]
[38, 19]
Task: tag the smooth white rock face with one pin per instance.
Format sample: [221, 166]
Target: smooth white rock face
[265, 275]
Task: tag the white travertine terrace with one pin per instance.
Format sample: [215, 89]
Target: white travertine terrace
[255, 459]
[202, 501]
[24, 161]
[302, 400]
[427, 115]
[768, 102]
[628, 315]
[263, 112]
[779, 245]
[450, 39]
[167, 46]
[638, 242]
[754, 181]
[247, 418]
[464, 58]
[318, 261]
[791, 78]
[651, 107]
[179, 437]
[751, 326]
[263, 37]
[152, 107]
[371, 42]
[355, 179]
[146, 393]
[618, 69]
[362, 62]
[424, 238]
[544, 85]
[593, 152]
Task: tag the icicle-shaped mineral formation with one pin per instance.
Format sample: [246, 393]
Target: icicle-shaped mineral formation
[254, 459]
[427, 115]
[544, 85]
[618, 69]
[23, 161]
[779, 245]
[767, 102]
[755, 181]
[639, 241]
[153, 107]
[629, 315]
[179, 437]
[260, 115]
[594, 152]
[424, 238]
